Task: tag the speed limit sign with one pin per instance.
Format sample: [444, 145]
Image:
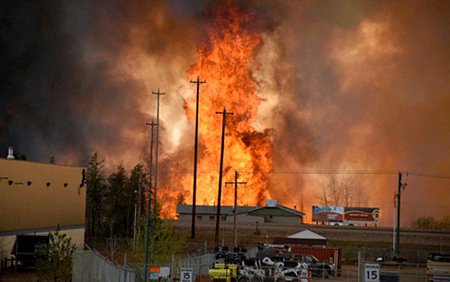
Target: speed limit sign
[186, 274]
[371, 272]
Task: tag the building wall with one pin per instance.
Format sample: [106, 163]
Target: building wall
[75, 233]
[202, 218]
[245, 218]
[36, 205]
[282, 219]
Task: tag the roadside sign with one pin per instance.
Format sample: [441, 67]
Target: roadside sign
[371, 272]
[186, 274]
[154, 271]
[164, 272]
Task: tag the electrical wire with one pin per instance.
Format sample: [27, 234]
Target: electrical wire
[317, 172]
[429, 175]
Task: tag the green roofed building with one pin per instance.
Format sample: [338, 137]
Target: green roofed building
[272, 212]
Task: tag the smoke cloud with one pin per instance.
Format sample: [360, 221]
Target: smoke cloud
[345, 86]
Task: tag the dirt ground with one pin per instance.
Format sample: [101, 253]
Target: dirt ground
[415, 245]
[11, 276]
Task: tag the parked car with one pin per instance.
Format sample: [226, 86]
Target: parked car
[318, 268]
[438, 267]
[389, 259]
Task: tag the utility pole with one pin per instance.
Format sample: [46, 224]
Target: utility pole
[236, 182]
[397, 239]
[224, 122]
[156, 151]
[194, 193]
[147, 236]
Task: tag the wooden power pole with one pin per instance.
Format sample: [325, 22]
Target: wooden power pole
[397, 234]
[224, 122]
[194, 192]
[147, 235]
[156, 151]
[236, 183]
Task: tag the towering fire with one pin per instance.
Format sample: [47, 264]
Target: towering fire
[225, 58]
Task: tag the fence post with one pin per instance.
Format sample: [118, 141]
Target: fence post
[125, 267]
[172, 268]
[359, 265]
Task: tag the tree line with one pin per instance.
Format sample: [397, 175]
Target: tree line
[430, 223]
[116, 203]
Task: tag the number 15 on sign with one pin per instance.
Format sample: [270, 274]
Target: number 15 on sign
[371, 272]
[186, 274]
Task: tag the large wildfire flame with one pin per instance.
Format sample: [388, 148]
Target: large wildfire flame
[225, 58]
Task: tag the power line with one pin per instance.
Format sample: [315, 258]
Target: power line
[429, 175]
[333, 171]
[319, 172]
[328, 171]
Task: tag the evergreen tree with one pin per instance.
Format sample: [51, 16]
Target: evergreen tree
[117, 198]
[95, 195]
[137, 183]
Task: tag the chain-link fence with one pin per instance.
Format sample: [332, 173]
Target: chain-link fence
[355, 270]
[198, 267]
[411, 266]
[91, 266]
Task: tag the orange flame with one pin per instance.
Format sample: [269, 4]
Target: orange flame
[225, 59]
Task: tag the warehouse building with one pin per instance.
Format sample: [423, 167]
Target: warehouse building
[36, 198]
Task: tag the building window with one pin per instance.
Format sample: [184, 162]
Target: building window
[199, 217]
[211, 218]
[224, 218]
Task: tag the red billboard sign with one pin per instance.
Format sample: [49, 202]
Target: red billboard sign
[327, 214]
[358, 215]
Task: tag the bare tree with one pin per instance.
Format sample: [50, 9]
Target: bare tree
[324, 198]
[347, 190]
[337, 191]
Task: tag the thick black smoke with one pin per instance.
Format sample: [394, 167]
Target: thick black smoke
[64, 90]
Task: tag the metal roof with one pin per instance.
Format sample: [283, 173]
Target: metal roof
[278, 210]
[307, 234]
